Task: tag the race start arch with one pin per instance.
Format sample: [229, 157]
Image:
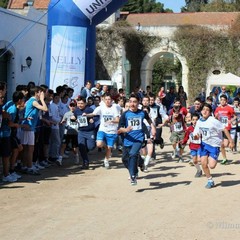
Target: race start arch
[71, 43]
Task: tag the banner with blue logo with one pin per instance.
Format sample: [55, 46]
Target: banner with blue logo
[68, 50]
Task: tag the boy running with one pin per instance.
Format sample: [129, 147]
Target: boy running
[194, 145]
[131, 126]
[210, 131]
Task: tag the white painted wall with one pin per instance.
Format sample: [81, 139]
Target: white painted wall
[24, 37]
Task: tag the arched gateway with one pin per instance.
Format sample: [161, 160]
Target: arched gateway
[153, 56]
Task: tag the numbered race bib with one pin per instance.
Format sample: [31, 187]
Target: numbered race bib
[135, 123]
[0, 120]
[224, 121]
[192, 140]
[178, 127]
[73, 124]
[82, 121]
[205, 133]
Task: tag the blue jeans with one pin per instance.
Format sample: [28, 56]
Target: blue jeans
[86, 143]
[130, 157]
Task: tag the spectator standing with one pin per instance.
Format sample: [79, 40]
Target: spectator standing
[182, 96]
[170, 96]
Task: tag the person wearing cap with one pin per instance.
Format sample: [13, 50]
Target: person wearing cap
[70, 133]
[86, 130]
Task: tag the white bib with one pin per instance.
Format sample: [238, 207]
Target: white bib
[224, 121]
[135, 123]
[205, 133]
[178, 127]
[82, 120]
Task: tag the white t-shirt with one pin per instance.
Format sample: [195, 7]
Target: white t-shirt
[210, 131]
[107, 114]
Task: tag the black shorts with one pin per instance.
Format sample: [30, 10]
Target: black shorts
[46, 134]
[5, 149]
[15, 142]
[67, 138]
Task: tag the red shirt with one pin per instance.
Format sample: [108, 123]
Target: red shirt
[194, 144]
[182, 110]
[224, 114]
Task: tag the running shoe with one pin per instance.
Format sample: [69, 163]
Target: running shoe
[198, 174]
[145, 169]
[59, 161]
[210, 184]
[106, 164]
[180, 160]
[33, 172]
[133, 181]
[9, 178]
[15, 175]
[224, 162]
[173, 155]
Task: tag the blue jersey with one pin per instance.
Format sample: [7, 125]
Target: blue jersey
[8, 105]
[135, 120]
[32, 113]
[11, 109]
[83, 121]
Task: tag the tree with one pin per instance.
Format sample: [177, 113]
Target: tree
[3, 3]
[211, 6]
[194, 5]
[163, 67]
[220, 6]
[144, 6]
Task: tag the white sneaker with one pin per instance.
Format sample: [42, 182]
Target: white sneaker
[15, 175]
[173, 155]
[9, 178]
[59, 161]
[106, 164]
[38, 166]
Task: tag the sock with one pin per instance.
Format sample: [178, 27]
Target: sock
[197, 166]
[147, 160]
[210, 179]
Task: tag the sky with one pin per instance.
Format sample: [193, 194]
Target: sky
[175, 5]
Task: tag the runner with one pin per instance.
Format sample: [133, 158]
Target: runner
[194, 145]
[130, 125]
[86, 134]
[209, 130]
[226, 115]
[109, 118]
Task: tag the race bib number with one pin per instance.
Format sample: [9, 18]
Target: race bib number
[224, 121]
[0, 120]
[178, 127]
[192, 140]
[82, 120]
[107, 118]
[205, 133]
[73, 124]
[135, 123]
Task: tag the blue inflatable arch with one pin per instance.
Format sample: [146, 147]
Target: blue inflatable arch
[71, 43]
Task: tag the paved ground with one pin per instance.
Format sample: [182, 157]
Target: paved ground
[168, 203]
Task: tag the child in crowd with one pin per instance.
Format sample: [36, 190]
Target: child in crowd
[177, 128]
[209, 130]
[70, 133]
[194, 145]
[147, 151]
